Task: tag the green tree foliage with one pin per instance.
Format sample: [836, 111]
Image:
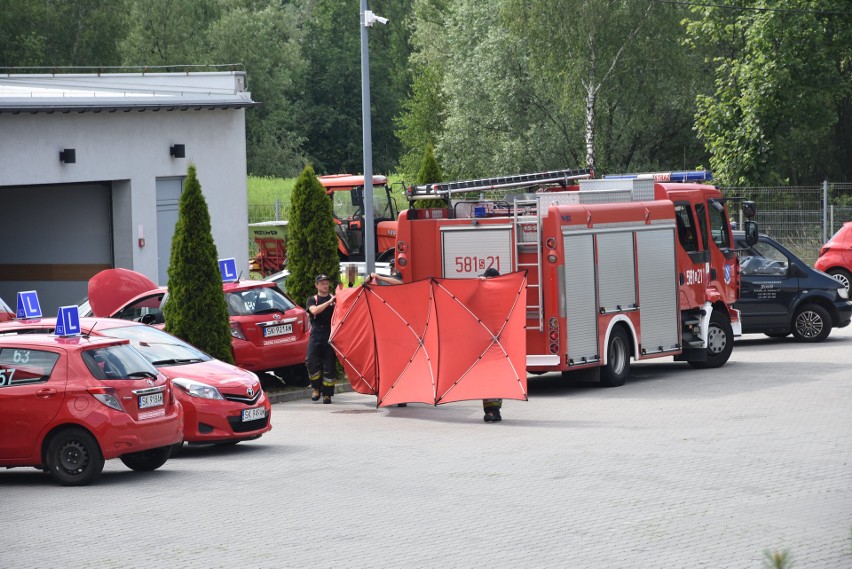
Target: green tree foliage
[311, 240]
[46, 33]
[783, 90]
[511, 85]
[265, 37]
[169, 32]
[332, 111]
[196, 310]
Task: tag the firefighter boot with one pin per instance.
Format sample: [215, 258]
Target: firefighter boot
[327, 389]
[492, 410]
[316, 384]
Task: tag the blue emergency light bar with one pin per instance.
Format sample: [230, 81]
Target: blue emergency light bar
[688, 176]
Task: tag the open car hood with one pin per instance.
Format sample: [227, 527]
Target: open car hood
[109, 290]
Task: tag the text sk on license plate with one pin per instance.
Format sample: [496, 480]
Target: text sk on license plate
[152, 400]
[278, 330]
[252, 414]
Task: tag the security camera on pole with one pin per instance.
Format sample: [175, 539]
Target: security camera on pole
[368, 18]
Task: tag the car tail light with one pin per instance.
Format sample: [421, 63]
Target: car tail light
[107, 396]
[823, 250]
[237, 331]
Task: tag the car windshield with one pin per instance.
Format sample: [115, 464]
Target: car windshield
[84, 309]
[258, 300]
[158, 347]
[118, 362]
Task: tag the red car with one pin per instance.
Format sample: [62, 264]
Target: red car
[835, 257]
[69, 404]
[269, 332]
[222, 404]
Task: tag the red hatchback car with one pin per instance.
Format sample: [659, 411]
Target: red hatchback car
[222, 404]
[269, 332]
[835, 257]
[69, 404]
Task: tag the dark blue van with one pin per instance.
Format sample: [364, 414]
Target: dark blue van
[780, 294]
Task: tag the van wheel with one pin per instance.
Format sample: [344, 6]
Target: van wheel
[720, 342]
[811, 323]
[147, 460]
[74, 457]
[617, 368]
[842, 276]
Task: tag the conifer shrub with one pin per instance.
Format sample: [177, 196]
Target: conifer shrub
[430, 173]
[195, 310]
[311, 239]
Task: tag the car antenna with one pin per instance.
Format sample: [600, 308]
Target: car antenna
[92, 329]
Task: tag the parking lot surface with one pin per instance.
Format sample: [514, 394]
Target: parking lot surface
[678, 468]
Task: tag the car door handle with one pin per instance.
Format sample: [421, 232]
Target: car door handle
[46, 393]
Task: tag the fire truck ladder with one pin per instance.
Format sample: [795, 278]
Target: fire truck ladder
[528, 247]
[442, 190]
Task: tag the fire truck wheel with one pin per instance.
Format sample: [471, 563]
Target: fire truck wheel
[617, 367]
[720, 342]
[811, 323]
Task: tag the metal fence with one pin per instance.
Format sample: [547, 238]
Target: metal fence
[800, 217]
[258, 212]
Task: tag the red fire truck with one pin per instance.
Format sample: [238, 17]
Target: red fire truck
[616, 267]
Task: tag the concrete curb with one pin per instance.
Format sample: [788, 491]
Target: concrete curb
[342, 386]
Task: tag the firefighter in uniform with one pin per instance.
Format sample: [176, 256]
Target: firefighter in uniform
[321, 361]
[491, 406]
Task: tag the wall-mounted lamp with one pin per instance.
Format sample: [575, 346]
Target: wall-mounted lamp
[178, 151]
[68, 156]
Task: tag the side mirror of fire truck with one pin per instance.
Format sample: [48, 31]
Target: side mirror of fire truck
[751, 232]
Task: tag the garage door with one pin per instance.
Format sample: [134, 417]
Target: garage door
[54, 238]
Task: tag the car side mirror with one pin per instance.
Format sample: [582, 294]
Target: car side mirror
[751, 232]
[749, 209]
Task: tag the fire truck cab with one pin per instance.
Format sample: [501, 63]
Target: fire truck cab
[617, 268]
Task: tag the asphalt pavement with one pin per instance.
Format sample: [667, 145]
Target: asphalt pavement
[677, 468]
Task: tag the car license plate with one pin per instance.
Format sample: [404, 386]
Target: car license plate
[153, 400]
[252, 414]
[279, 330]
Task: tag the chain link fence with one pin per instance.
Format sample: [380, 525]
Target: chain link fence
[802, 218]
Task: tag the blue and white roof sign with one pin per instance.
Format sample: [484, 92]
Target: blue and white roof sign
[228, 268]
[67, 321]
[28, 306]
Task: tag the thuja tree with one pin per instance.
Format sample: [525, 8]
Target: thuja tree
[311, 240]
[196, 310]
[430, 173]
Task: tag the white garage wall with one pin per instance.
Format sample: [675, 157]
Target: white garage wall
[129, 151]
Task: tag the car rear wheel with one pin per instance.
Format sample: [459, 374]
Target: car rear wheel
[147, 460]
[842, 276]
[74, 457]
[720, 342]
[617, 368]
[811, 323]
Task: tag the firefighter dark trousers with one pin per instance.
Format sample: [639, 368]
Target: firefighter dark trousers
[322, 364]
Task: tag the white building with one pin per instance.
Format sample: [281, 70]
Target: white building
[92, 166]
